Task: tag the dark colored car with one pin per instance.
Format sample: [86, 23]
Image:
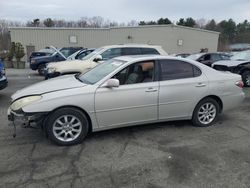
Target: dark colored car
[239, 64]
[209, 58]
[39, 63]
[3, 78]
[40, 53]
[183, 55]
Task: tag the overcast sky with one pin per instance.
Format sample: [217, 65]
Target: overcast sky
[125, 10]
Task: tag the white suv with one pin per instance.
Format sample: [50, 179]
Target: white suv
[99, 55]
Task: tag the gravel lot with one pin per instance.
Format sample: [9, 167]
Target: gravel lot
[173, 154]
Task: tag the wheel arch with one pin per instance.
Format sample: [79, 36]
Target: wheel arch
[216, 98]
[68, 106]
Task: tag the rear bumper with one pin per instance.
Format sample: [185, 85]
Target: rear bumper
[3, 82]
[232, 101]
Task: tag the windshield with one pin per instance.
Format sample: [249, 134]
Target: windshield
[92, 54]
[243, 56]
[100, 71]
[194, 56]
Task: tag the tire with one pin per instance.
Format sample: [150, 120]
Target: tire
[40, 69]
[246, 78]
[205, 112]
[67, 126]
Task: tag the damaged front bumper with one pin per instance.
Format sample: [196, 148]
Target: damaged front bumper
[31, 120]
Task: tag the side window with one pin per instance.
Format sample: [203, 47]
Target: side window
[215, 57]
[149, 51]
[111, 53]
[82, 55]
[225, 57]
[174, 69]
[137, 73]
[207, 57]
[131, 51]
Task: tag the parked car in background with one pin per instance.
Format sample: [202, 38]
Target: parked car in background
[80, 54]
[239, 64]
[42, 52]
[3, 78]
[209, 58]
[127, 91]
[38, 63]
[100, 55]
[183, 55]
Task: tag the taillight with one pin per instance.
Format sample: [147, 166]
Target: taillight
[239, 84]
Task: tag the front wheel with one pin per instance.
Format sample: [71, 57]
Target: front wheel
[246, 78]
[206, 112]
[67, 126]
[41, 69]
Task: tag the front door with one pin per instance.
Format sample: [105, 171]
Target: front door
[135, 101]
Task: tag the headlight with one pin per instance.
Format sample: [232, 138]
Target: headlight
[32, 61]
[20, 103]
[51, 70]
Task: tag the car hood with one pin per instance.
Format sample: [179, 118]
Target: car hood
[63, 63]
[229, 63]
[56, 84]
[42, 57]
[72, 66]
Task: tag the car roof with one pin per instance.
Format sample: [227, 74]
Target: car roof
[146, 57]
[135, 58]
[131, 45]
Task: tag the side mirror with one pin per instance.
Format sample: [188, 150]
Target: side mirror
[98, 58]
[111, 83]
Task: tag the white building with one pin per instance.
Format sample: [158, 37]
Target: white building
[173, 38]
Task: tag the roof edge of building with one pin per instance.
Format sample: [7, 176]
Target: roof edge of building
[110, 28]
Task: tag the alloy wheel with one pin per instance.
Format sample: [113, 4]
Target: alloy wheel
[67, 128]
[207, 113]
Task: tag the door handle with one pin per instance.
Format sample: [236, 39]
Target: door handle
[200, 85]
[151, 89]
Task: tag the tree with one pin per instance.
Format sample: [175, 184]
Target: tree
[211, 25]
[163, 21]
[48, 22]
[11, 53]
[142, 23]
[243, 27]
[36, 22]
[228, 29]
[19, 51]
[181, 22]
[189, 22]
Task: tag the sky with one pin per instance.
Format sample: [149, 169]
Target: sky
[125, 10]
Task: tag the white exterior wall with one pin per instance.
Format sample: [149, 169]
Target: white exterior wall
[166, 36]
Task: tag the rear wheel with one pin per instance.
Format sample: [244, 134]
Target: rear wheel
[246, 78]
[205, 112]
[67, 126]
[41, 69]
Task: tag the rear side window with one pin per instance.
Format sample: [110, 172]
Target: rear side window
[149, 51]
[111, 53]
[175, 69]
[131, 51]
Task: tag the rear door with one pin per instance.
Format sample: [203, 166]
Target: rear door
[182, 85]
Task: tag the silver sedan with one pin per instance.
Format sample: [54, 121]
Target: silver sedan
[126, 91]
